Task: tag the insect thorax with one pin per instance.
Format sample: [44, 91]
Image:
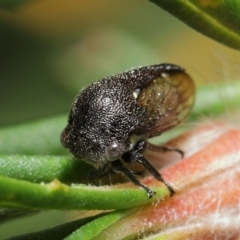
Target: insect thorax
[100, 115]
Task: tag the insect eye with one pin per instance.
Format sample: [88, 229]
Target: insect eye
[114, 151]
[62, 138]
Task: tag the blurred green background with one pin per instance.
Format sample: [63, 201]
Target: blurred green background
[50, 49]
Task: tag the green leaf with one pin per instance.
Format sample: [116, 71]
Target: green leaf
[96, 226]
[40, 137]
[215, 99]
[55, 195]
[217, 19]
[83, 229]
[43, 168]
[57, 233]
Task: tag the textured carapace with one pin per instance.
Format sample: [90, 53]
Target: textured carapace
[111, 119]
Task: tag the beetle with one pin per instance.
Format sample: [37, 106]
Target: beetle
[111, 120]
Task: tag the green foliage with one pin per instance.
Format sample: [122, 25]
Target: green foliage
[216, 19]
[12, 3]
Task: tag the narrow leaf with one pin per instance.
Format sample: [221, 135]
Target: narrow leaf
[217, 19]
[40, 137]
[43, 168]
[56, 195]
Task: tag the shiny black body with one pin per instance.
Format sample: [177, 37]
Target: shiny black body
[111, 119]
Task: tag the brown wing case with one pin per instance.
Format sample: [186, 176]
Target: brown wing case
[168, 100]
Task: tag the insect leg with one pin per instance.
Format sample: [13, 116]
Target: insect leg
[137, 157]
[141, 159]
[118, 167]
[164, 149]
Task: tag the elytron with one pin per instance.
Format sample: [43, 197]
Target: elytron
[112, 119]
